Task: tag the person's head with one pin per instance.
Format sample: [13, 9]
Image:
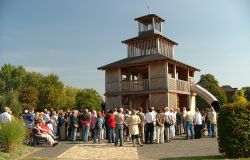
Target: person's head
[6, 109]
[184, 108]
[150, 109]
[115, 109]
[197, 109]
[99, 114]
[133, 112]
[158, 110]
[127, 111]
[111, 111]
[140, 109]
[166, 109]
[120, 110]
[178, 109]
[94, 112]
[212, 109]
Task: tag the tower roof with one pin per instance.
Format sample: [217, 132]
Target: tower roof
[148, 19]
[139, 60]
[148, 36]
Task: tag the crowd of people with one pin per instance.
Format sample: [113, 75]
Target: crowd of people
[116, 126]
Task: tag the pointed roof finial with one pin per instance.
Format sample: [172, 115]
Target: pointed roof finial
[149, 10]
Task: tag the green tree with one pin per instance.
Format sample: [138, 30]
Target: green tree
[12, 77]
[51, 93]
[247, 92]
[28, 97]
[239, 98]
[88, 98]
[209, 82]
[11, 100]
[70, 97]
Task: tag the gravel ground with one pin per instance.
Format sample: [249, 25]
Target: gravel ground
[177, 148]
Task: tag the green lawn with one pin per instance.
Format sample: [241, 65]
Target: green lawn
[16, 154]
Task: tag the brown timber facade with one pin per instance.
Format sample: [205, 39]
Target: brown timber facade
[149, 76]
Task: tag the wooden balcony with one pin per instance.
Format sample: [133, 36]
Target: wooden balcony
[154, 85]
[178, 85]
[134, 86]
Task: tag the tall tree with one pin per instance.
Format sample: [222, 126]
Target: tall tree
[28, 97]
[70, 98]
[51, 92]
[247, 92]
[12, 77]
[209, 82]
[88, 98]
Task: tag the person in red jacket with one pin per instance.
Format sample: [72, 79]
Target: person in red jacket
[111, 127]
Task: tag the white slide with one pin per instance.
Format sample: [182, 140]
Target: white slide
[207, 96]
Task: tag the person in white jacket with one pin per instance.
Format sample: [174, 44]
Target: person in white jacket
[197, 124]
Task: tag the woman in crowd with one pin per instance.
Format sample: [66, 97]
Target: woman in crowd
[160, 118]
[134, 120]
[213, 121]
[99, 127]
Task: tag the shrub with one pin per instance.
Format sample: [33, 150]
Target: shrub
[234, 130]
[12, 135]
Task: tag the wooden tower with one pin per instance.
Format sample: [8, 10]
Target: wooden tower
[149, 76]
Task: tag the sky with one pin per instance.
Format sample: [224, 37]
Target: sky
[72, 38]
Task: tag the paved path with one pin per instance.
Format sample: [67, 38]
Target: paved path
[177, 148]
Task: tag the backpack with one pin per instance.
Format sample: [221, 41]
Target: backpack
[168, 121]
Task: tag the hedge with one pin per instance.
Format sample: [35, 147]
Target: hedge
[234, 131]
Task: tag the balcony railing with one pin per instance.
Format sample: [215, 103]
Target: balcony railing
[159, 83]
[178, 85]
[133, 86]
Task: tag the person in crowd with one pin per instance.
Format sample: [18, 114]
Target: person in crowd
[106, 125]
[103, 126]
[160, 118]
[85, 125]
[46, 116]
[178, 122]
[167, 124]
[119, 121]
[111, 126]
[50, 126]
[212, 116]
[73, 124]
[134, 120]
[154, 112]
[54, 121]
[5, 116]
[126, 129]
[207, 122]
[99, 127]
[37, 131]
[197, 123]
[184, 112]
[142, 124]
[93, 118]
[172, 127]
[61, 126]
[189, 118]
[150, 120]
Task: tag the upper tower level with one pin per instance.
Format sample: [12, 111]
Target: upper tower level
[150, 39]
[149, 24]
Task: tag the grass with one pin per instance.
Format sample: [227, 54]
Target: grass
[15, 154]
